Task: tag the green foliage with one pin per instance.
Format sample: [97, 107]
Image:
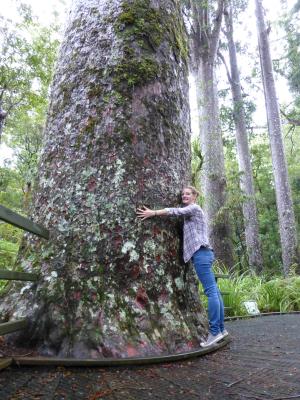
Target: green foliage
[234, 205]
[10, 233]
[227, 113]
[280, 294]
[8, 252]
[292, 71]
[272, 295]
[266, 204]
[292, 145]
[28, 51]
[264, 197]
[11, 196]
[288, 65]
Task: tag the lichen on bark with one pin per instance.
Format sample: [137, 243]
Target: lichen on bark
[116, 138]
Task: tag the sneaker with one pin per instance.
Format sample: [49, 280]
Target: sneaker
[211, 339]
[224, 333]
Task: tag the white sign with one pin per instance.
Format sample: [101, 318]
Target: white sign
[251, 307]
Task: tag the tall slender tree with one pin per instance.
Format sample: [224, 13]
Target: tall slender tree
[287, 225]
[205, 40]
[117, 137]
[243, 152]
[289, 64]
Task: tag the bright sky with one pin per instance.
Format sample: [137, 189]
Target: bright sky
[45, 10]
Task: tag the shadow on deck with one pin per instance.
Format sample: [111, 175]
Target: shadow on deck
[262, 362]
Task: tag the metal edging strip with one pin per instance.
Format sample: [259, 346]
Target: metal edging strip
[116, 362]
[237, 317]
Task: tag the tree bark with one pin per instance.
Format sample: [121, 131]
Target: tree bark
[287, 224]
[243, 154]
[3, 116]
[117, 137]
[205, 40]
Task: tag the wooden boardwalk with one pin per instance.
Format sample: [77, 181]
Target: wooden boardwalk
[261, 363]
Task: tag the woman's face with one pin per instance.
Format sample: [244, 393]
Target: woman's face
[188, 197]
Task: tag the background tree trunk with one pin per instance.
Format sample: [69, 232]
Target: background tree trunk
[287, 225]
[205, 44]
[3, 115]
[243, 153]
[117, 137]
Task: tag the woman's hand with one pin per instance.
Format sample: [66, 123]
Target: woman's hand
[145, 213]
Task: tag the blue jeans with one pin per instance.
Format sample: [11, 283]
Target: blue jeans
[203, 260]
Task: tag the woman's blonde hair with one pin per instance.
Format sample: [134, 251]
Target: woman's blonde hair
[193, 190]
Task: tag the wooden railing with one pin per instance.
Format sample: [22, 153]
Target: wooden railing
[26, 224]
[17, 276]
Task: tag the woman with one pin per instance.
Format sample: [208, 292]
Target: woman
[196, 247]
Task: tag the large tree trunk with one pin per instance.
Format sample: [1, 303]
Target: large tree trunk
[205, 44]
[243, 154]
[117, 137]
[287, 224]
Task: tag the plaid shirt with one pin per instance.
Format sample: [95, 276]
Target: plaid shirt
[194, 229]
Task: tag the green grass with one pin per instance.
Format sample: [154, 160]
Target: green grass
[272, 295]
[8, 253]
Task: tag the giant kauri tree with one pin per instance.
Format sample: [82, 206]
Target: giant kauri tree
[117, 137]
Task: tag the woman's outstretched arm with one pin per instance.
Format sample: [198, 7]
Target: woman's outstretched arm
[145, 212]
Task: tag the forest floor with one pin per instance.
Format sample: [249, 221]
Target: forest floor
[262, 362]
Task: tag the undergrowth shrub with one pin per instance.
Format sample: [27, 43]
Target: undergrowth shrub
[271, 295]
